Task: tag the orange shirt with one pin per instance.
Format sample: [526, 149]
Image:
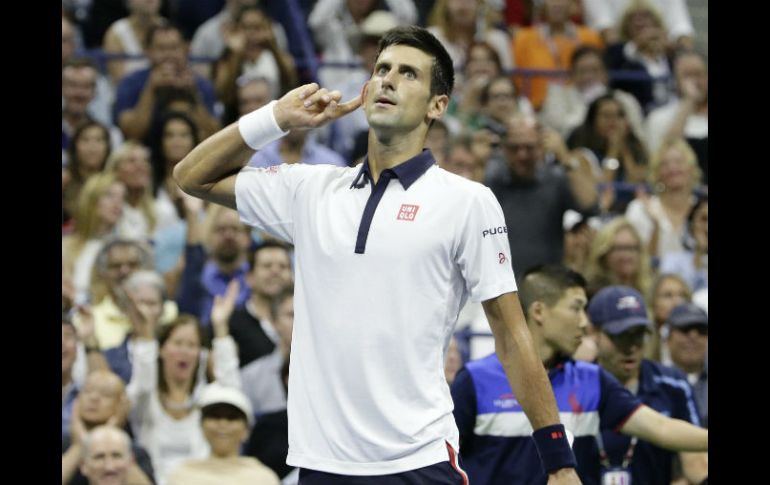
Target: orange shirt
[534, 48]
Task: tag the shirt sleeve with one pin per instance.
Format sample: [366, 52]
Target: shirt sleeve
[484, 253]
[265, 197]
[464, 398]
[616, 403]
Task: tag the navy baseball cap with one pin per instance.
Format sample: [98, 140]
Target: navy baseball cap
[687, 314]
[616, 309]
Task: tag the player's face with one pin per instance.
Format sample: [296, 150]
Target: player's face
[564, 323]
[397, 97]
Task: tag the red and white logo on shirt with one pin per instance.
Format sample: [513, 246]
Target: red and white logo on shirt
[407, 212]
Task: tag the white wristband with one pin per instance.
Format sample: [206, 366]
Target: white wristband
[259, 127]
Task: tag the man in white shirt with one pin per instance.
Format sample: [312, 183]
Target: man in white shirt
[383, 267]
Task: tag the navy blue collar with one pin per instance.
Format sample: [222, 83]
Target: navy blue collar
[407, 172]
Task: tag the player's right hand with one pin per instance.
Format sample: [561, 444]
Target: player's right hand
[311, 106]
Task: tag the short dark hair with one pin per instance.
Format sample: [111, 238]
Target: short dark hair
[267, 244]
[586, 50]
[547, 283]
[442, 73]
[162, 26]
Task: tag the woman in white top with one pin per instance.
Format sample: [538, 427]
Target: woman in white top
[660, 219]
[126, 36]
[457, 23]
[168, 375]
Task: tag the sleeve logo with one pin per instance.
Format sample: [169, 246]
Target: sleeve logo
[494, 230]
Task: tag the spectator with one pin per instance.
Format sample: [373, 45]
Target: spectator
[661, 218]
[116, 261]
[168, 376]
[548, 44]
[225, 419]
[126, 36]
[102, 401]
[579, 232]
[100, 206]
[336, 27]
[482, 65]
[298, 146]
[261, 377]
[253, 51]
[209, 38]
[688, 341]
[107, 458]
[139, 92]
[614, 151]
[566, 105]
[693, 262]
[604, 16]
[498, 104]
[618, 257]
[458, 23]
[687, 116]
[209, 269]
[620, 315]
[146, 287]
[643, 49]
[69, 388]
[668, 291]
[534, 196]
[87, 155]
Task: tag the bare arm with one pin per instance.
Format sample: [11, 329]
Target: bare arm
[695, 466]
[208, 171]
[525, 371]
[660, 430]
[112, 45]
[581, 180]
[70, 460]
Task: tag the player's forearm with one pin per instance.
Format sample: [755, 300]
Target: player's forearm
[219, 156]
[525, 371]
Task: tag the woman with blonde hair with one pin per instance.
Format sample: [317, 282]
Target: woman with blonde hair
[661, 218]
[668, 291]
[131, 164]
[100, 207]
[618, 257]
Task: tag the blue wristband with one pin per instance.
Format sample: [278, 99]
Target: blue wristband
[554, 449]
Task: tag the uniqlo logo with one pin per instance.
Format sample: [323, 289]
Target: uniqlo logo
[407, 212]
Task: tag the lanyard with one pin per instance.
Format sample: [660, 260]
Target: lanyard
[604, 459]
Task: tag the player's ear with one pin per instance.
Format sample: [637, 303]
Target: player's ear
[438, 106]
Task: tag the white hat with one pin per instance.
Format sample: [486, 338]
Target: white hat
[378, 22]
[216, 393]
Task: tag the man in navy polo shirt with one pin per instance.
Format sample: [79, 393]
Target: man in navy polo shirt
[662, 388]
[386, 255]
[494, 433]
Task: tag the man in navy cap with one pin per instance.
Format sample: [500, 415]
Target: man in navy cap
[619, 314]
[688, 341]
[495, 441]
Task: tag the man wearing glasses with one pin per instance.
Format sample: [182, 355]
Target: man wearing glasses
[534, 194]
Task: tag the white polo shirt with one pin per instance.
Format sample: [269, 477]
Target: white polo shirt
[381, 275]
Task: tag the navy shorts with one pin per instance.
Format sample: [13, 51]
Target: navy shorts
[444, 473]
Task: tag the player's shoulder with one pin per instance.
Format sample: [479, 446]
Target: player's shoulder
[460, 184]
